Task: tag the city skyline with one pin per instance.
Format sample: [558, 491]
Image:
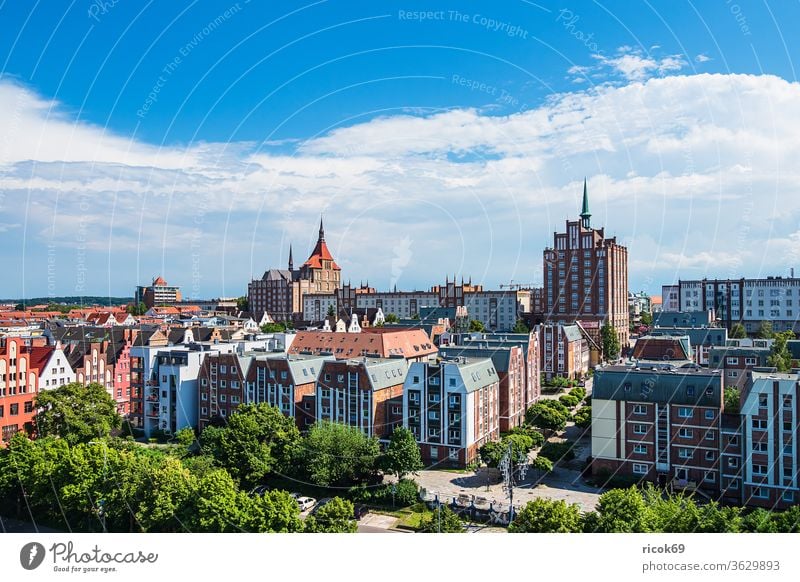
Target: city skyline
[201, 154]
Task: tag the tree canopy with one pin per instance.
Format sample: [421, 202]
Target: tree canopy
[779, 355]
[338, 454]
[611, 347]
[402, 455]
[442, 520]
[548, 516]
[336, 516]
[475, 325]
[76, 413]
[737, 331]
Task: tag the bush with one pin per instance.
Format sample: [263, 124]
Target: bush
[578, 392]
[568, 400]
[555, 405]
[406, 493]
[583, 418]
[557, 451]
[546, 417]
[533, 434]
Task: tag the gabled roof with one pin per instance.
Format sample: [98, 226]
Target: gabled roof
[321, 253]
[39, 357]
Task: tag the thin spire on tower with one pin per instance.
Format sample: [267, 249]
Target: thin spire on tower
[585, 214]
[321, 229]
[291, 262]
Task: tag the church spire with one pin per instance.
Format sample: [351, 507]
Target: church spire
[585, 214]
[321, 230]
[291, 262]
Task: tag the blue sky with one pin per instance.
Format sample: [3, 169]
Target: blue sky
[197, 140]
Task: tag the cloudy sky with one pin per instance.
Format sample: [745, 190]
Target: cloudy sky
[197, 142]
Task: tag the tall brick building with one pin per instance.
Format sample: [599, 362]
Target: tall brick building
[586, 278]
[280, 291]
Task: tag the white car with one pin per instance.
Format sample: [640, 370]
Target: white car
[306, 503]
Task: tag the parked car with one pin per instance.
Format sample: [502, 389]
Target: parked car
[260, 490]
[320, 504]
[306, 503]
[360, 511]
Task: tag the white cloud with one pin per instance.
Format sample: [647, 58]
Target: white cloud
[698, 174]
[702, 58]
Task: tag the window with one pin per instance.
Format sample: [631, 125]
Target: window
[204, 382]
[326, 393]
[709, 477]
[732, 361]
[685, 453]
[760, 447]
[787, 426]
[690, 391]
[684, 412]
[639, 409]
[709, 414]
[762, 400]
[686, 433]
[204, 411]
[759, 424]
[760, 493]
[759, 469]
[788, 496]
[639, 429]
[787, 401]
[709, 436]
[222, 369]
[639, 469]
[434, 433]
[734, 485]
[433, 415]
[204, 396]
[640, 449]
[223, 398]
[733, 462]
[710, 456]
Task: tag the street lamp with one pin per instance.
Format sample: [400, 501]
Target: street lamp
[511, 467]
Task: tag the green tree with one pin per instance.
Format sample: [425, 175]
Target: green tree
[242, 304]
[257, 440]
[536, 437]
[402, 455]
[647, 318]
[442, 520]
[273, 328]
[475, 325]
[336, 516]
[611, 347]
[737, 331]
[545, 417]
[338, 454]
[331, 311]
[76, 413]
[789, 520]
[491, 453]
[548, 516]
[391, 318]
[731, 400]
[542, 465]
[622, 511]
[779, 355]
[765, 330]
[167, 503]
[136, 309]
[521, 327]
[185, 437]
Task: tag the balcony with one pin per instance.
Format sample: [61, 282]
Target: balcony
[683, 485]
[151, 411]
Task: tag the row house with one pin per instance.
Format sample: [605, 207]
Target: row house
[658, 423]
[564, 351]
[53, 366]
[18, 388]
[510, 365]
[453, 408]
[365, 393]
[374, 342]
[222, 383]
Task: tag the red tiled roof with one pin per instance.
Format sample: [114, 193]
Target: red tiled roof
[40, 355]
[319, 254]
[411, 343]
[159, 281]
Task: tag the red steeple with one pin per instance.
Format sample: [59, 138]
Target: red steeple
[321, 253]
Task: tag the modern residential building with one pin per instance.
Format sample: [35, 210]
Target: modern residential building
[586, 278]
[18, 388]
[564, 351]
[638, 304]
[365, 393]
[158, 293]
[770, 434]
[280, 292]
[744, 300]
[318, 306]
[288, 382]
[452, 407]
[659, 423]
[509, 363]
[735, 363]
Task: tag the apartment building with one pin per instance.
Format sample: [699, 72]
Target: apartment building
[365, 393]
[53, 366]
[18, 388]
[702, 339]
[317, 306]
[586, 278]
[659, 423]
[222, 385]
[564, 351]
[735, 363]
[452, 407]
[744, 300]
[770, 411]
[158, 293]
[509, 362]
